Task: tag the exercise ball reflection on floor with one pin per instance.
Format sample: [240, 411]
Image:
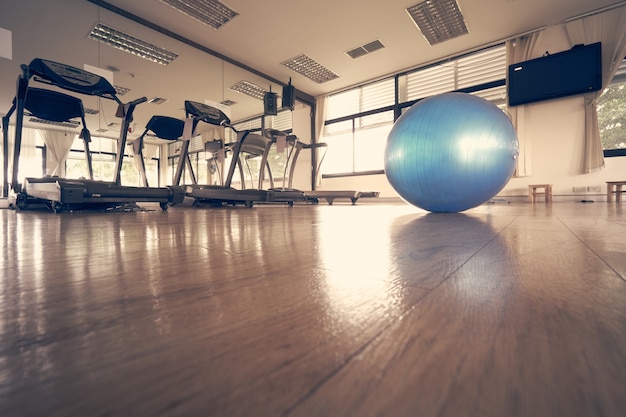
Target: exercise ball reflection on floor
[451, 152]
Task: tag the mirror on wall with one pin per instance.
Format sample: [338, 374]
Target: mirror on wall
[64, 31]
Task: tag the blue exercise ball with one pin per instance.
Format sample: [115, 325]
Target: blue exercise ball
[451, 152]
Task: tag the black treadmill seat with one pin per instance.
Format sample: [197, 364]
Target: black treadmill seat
[165, 127]
[52, 105]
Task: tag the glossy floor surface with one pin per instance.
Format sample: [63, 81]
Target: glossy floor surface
[367, 310]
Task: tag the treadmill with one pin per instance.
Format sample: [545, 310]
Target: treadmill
[286, 193]
[223, 194]
[163, 127]
[60, 194]
[296, 147]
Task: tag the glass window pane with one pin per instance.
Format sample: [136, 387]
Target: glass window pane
[129, 175]
[152, 172]
[377, 95]
[76, 166]
[430, 81]
[342, 104]
[496, 95]
[339, 155]
[372, 120]
[481, 67]
[103, 167]
[612, 116]
[338, 128]
[369, 148]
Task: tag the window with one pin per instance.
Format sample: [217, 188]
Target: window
[103, 154]
[612, 115]
[358, 120]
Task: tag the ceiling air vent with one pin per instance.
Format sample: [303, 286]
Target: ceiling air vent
[92, 111]
[228, 102]
[370, 47]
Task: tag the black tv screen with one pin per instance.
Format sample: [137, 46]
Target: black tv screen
[576, 71]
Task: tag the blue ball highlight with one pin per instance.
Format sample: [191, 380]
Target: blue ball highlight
[451, 152]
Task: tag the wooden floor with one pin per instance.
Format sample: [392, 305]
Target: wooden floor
[367, 310]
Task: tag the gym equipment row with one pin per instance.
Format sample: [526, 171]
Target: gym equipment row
[59, 194]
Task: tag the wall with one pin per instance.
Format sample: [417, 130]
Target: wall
[554, 134]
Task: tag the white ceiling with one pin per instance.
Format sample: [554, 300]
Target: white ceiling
[265, 34]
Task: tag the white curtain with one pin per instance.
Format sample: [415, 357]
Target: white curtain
[58, 145]
[609, 28]
[29, 164]
[320, 117]
[518, 50]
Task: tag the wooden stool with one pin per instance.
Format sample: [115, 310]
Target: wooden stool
[533, 193]
[614, 187]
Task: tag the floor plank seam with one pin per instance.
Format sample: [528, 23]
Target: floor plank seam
[600, 257]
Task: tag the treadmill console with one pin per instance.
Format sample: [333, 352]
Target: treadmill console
[71, 78]
[206, 113]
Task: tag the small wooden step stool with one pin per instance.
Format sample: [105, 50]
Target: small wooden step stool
[533, 192]
[614, 187]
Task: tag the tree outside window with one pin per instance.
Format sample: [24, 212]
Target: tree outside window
[612, 116]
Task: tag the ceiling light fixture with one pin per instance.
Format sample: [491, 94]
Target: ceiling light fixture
[70, 123]
[249, 89]
[308, 67]
[158, 100]
[120, 91]
[438, 20]
[131, 44]
[212, 13]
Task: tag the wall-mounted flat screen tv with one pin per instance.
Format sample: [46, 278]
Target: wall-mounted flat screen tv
[576, 71]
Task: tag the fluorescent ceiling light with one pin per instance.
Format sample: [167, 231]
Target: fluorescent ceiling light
[120, 91]
[91, 111]
[247, 88]
[6, 44]
[439, 20]
[70, 123]
[131, 44]
[212, 13]
[158, 100]
[306, 66]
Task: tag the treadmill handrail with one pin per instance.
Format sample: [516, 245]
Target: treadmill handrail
[207, 114]
[128, 110]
